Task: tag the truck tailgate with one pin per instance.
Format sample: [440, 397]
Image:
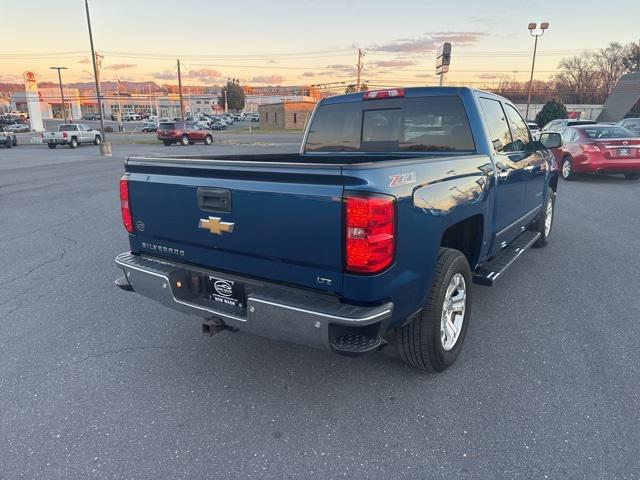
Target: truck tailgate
[287, 219]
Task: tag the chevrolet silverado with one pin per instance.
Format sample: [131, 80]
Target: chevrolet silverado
[398, 201]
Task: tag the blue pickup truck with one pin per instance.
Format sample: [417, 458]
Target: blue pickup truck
[398, 200]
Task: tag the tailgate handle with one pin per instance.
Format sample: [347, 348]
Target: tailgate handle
[214, 199]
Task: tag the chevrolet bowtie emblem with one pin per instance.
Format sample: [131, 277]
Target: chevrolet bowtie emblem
[215, 225]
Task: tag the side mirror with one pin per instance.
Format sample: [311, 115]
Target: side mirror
[551, 139]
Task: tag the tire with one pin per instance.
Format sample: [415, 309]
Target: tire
[567, 173]
[97, 140]
[9, 143]
[184, 141]
[167, 144]
[73, 143]
[421, 342]
[15, 141]
[52, 145]
[632, 176]
[548, 213]
[208, 140]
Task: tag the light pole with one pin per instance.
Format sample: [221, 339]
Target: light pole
[64, 106]
[535, 32]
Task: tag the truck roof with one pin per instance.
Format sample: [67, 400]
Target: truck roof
[408, 92]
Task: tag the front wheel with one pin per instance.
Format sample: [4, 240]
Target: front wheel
[544, 223]
[52, 145]
[184, 141]
[566, 169]
[15, 141]
[632, 176]
[433, 340]
[97, 140]
[208, 140]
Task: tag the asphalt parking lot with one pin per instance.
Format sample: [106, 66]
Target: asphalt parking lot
[98, 383]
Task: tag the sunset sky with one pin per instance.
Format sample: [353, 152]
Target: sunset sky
[304, 41]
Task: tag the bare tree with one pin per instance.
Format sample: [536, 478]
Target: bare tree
[579, 75]
[609, 63]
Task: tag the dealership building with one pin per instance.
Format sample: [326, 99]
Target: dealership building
[83, 102]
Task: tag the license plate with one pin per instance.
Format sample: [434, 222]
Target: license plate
[624, 152]
[226, 292]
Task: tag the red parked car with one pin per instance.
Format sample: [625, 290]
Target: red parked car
[598, 149]
[184, 133]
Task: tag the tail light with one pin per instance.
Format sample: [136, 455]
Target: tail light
[591, 148]
[370, 233]
[124, 204]
[378, 94]
[64, 134]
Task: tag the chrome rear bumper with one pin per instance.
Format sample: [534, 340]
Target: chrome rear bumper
[272, 311]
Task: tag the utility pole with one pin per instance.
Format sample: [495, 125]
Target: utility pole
[150, 102]
[180, 92]
[534, 32]
[226, 105]
[64, 104]
[105, 148]
[120, 126]
[361, 54]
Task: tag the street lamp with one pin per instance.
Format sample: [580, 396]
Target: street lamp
[535, 32]
[64, 106]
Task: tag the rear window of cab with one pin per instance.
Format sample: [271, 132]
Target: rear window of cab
[419, 124]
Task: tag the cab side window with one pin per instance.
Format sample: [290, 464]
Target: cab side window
[497, 125]
[519, 130]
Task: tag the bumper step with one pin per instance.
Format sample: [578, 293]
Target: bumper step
[489, 272]
[356, 344]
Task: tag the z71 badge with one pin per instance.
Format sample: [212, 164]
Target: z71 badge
[402, 179]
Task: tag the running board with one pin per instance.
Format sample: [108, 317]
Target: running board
[489, 272]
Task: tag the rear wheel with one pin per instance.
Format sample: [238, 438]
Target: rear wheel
[15, 141]
[184, 141]
[544, 223]
[566, 169]
[52, 145]
[168, 144]
[208, 140]
[433, 340]
[632, 176]
[97, 140]
[9, 143]
[73, 143]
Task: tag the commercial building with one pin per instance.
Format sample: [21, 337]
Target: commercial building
[285, 115]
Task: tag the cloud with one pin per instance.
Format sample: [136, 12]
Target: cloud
[204, 74]
[393, 63]
[271, 79]
[342, 69]
[309, 74]
[166, 75]
[429, 42]
[487, 76]
[121, 66]
[8, 78]
[85, 60]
